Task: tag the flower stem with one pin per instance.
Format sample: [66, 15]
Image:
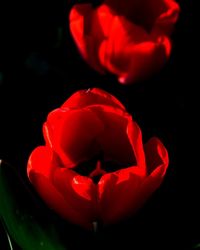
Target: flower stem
[95, 226]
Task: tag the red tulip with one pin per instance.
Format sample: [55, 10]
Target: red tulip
[129, 38]
[94, 166]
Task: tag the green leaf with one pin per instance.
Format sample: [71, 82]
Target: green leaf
[4, 237]
[21, 214]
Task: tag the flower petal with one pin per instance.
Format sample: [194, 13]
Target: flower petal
[135, 137]
[73, 134]
[123, 192]
[113, 140]
[86, 33]
[140, 12]
[144, 59]
[57, 202]
[105, 17]
[166, 21]
[131, 53]
[118, 194]
[122, 33]
[96, 96]
[40, 171]
[40, 161]
[79, 192]
[156, 155]
[157, 162]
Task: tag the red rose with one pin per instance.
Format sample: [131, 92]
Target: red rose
[129, 38]
[92, 134]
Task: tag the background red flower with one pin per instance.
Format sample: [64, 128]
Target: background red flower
[131, 39]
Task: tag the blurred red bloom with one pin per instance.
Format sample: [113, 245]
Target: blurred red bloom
[129, 38]
[94, 166]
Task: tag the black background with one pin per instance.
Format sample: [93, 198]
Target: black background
[41, 68]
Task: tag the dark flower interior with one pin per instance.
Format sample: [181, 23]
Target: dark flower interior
[141, 12]
[103, 143]
[87, 168]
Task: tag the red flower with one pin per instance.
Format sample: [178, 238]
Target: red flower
[94, 166]
[129, 38]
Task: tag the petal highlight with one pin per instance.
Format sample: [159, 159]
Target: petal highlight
[93, 96]
[156, 155]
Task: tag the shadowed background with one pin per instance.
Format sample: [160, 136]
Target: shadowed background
[41, 68]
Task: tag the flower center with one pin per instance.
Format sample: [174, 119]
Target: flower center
[98, 166]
